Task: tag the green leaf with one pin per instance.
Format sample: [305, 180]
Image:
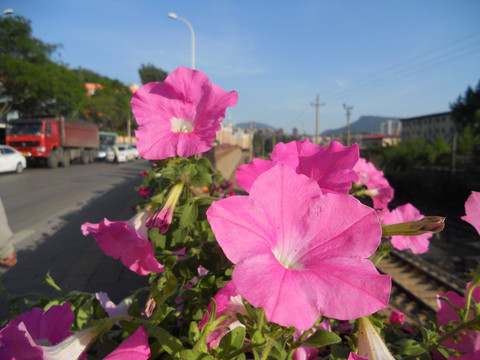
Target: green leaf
[49, 280]
[169, 342]
[204, 163]
[411, 348]
[158, 239]
[322, 338]
[232, 341]
[194, 355]
[189, 215]
[202, 176]
[258, 337]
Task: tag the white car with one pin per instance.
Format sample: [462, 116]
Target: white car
[122, 154]
[11, 160]
[133, 149]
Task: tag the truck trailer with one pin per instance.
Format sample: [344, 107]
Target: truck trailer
[53, 140]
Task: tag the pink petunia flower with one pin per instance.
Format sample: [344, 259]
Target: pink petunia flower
[179, 116]
[300, 253]
[25, 335]
[378, 186]
[229, 302]
[418, 244]
[330, 167]
[143, 192]
[135, 347]
[472, 210]
[469, 343]
[127, 241]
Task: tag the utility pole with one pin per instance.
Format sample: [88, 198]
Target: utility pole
[349, 110]
[317, 105]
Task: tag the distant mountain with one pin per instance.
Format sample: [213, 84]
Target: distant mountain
[255, 125]
[364, 125]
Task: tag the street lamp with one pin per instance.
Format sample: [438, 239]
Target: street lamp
[7, 12]
[175, 16]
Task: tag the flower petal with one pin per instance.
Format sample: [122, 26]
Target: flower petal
[120, 241]
[472, 210]
[135, 347]
[186, 95]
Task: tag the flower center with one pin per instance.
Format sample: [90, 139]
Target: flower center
[288, 258]
[181, 125]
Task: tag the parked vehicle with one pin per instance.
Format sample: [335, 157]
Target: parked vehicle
[121, 154]
[102, 152]
[133, 148]
[53, 140]
[11, 160]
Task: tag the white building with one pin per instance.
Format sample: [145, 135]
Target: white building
[428, 126]
[232, 135]
[391, 127]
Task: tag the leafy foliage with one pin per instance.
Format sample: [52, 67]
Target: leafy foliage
[466, 110]
[150, 73]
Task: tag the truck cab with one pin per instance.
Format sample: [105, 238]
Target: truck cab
[35, 138]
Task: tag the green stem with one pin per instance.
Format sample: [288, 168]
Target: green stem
[260, 321]
[242, 350]
[297, 344]
[459, 328]
[267, 350]
[468, 302]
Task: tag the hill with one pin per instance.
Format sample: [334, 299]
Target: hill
[364, 125]
[256, 125]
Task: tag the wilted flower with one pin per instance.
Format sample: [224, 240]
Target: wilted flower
[127, 241]
[299, 244]
[330, 167]
[472, 210]
[377, 185]
[179, 116]
[370, 344]
[408, 213]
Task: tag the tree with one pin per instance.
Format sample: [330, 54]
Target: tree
[110, 105]
[150, 73]
[33, 82]
[466, 110]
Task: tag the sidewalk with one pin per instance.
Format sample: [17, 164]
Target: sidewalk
[76, 262]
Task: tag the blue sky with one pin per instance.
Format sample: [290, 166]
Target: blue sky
[386, 57]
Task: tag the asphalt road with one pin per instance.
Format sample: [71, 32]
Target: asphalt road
[45, 209]
[40, 198]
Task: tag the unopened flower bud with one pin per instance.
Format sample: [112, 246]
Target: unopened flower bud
[163, 218]
[429, 224]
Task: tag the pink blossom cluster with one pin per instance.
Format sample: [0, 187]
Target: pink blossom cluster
[46, 335]
[300, 234]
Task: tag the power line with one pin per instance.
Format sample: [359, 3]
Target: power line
[413, 65]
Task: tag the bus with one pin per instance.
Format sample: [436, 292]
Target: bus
[108, 139]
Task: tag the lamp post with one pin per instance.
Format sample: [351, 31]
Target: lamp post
[175, 16]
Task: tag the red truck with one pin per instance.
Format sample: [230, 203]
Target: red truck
[53, 140]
